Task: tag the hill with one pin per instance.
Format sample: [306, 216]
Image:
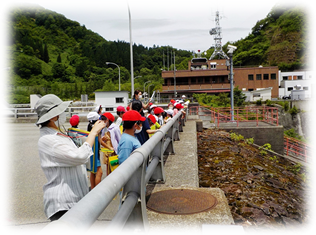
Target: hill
[52, 54]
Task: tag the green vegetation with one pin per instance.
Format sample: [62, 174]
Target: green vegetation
[263, 149]
[51, 54]
[220, 100]
[292, 133]
[306, 173]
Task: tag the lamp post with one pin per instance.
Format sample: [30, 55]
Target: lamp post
[231, 78]
[0, 80]
[131, 47]
[119, 73]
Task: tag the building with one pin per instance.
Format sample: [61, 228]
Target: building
[110, 100]
[212, 77]
[298, 84]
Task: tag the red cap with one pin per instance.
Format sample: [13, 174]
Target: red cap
[179, 106]
[74, 120]
[109, 116]
[172, 101]
[128, 108]
[152, 118]
[158, 110]
[150, 104]
[133, 115]
[120, 109]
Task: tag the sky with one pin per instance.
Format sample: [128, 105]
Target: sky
[181, 24]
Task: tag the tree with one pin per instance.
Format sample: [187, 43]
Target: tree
[59, 58]
[45, 54]
[239, 97]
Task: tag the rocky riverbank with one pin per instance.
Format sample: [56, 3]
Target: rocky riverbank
[263, 191]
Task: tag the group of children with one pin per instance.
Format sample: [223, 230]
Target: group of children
[132, 128]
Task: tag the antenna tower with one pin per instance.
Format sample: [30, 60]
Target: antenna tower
[218, 39]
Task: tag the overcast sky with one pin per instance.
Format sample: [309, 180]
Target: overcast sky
[180, 24]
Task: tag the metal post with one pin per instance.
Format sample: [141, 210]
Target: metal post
[174, 75]
[0, 80]
[131, 51]
[231, 76]
[119, 73]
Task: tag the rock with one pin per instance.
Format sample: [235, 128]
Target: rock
[258, 167]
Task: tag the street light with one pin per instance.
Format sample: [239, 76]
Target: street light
[0, 79]
[119, 73]
[131, 47]
[231, 78]
[148, 89]
[145, 84]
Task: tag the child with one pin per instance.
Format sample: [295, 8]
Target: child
[132, 122]
[154, 125]
[169, 113]
[74, 122]
[96, 170]
[120, 110]
[158, 112]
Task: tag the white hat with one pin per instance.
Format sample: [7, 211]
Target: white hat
[183, 96]
[153, 106]
[49, 106]
[93, 116]
[96, 109]
[169, 111]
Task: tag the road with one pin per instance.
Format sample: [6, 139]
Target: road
[25, 178]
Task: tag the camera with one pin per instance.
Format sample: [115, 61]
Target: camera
[231, 48]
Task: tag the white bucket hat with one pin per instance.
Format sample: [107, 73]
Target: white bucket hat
[49, 106]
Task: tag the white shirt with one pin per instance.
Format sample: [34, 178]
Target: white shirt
[118, 121]
[64, 166]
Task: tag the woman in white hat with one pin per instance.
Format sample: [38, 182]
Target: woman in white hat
[62, 161]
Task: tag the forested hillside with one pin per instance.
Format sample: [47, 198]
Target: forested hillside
[52, 54]
[280, 39]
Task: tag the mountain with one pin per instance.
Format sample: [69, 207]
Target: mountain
[52, 54]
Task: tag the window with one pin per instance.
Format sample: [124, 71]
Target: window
[213, 80]
[200, 80]
[305, 88]
[193, 80]
[290, 89]
[265, 76]
[285, 78]
[207, 80]
[109, 109]
[256, 94]
[222, 79]
[213, 65]
[299, 77]
[273, 76]
[250, 76]
[119, 100]
[258, 76]
[250, 89]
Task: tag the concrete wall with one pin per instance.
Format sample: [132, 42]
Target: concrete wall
[273, 135]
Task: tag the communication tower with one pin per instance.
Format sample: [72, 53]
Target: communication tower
[218, 39]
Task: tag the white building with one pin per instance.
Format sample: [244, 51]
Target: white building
[298, 81]
[110, 100]
[260, 93]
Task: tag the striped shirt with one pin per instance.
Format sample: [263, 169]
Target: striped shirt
[64, 166]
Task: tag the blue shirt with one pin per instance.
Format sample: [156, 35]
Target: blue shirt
[143, 135]
[127, 145]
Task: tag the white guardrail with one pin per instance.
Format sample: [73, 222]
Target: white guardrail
[132, 175]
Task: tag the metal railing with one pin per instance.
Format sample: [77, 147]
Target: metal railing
[296, 148]
[249, 114]
[132, 175]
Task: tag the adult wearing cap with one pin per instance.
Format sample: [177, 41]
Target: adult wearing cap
[132, 124]
[62, 162]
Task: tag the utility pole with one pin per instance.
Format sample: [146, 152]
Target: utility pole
[174, 74]
[231, 78]
[131, 51]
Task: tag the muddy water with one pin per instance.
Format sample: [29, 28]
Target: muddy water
[262, 190]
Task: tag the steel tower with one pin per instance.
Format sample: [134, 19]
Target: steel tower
[218, 40]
